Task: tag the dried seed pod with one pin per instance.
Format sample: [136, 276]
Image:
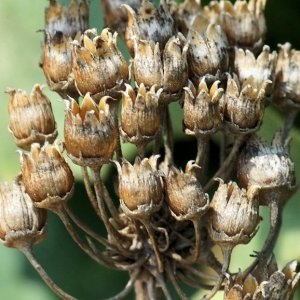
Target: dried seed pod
[140, 187]
[287, 79]
[184, 13]
[21, 223]
[98, 65]
[185, 196]
[115, 15]
[150, 24]
[244, 22]
[265, 284]
[140, 114]
[31, 119]
[244, 105]
[57, 64]
[233, 215]
[165, 68]
[201, 109]
[46, 176]
[69, 20]
[268, 166]
[91, 130]
[207, 52]
[261, 69]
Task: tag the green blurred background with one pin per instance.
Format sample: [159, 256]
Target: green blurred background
[20, 52]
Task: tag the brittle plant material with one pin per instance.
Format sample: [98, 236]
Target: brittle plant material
[115, 15]
[31, 119]
[98, 65]
[261, 69]
[207, 52]
[91, 130]
[287, 82]
[166, 68]
[201, 108]
[268, 166]
[67, 19]
[46, 176]
[269, 283]
[140, 186]
[141, 114]
[233, 214]
[244, 104]
[57, 64]
[185, 196]
[244, 22]
[150, 24]
[21, 223]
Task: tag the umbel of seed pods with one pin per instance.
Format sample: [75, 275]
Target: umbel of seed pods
[211, 60]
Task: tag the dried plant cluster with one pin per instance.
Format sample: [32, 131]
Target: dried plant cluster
[164, 229]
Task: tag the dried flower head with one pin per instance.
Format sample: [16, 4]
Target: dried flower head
[268, 166]
[207, 51]
[269, 283]
[57, 64]
[141, 114]
[46, 176]
[140, 187]
[165, 68]
[91, 130]
[233, 214]
[21, 223]
[98, 65]
[31, 119]
[185, 196]
[150, 24]
[244, 104]
[244, 22]
[201, 109]
[69, 20]
[261, 69]
[287, 81]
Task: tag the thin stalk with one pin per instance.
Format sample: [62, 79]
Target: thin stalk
[168, 137]
[228, 162]
[276, 222]
[227, 250]
[290, 117]
[202, 153]
[27, 251]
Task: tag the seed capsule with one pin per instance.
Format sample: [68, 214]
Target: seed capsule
[91, 130]
[207, 51]
[201, 109]
[268, 166]
[244, 105]
[98, 65]
[150, 24]
[165, 68]
[233, 214]
[287, 83]
[140, 187]
[46, 175]
[68, 20]
[57, 64]
[141, 114]
[185, 196]
[31, 119]
[21, 223]
[244, 22]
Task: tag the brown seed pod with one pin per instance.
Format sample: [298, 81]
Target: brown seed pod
[91, 130]
[46, 175]
[268, 166]
[31, 119]
[201, 108]
[21, 223]
[98, 65]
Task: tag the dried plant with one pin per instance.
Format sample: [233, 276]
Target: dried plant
[167, 223]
